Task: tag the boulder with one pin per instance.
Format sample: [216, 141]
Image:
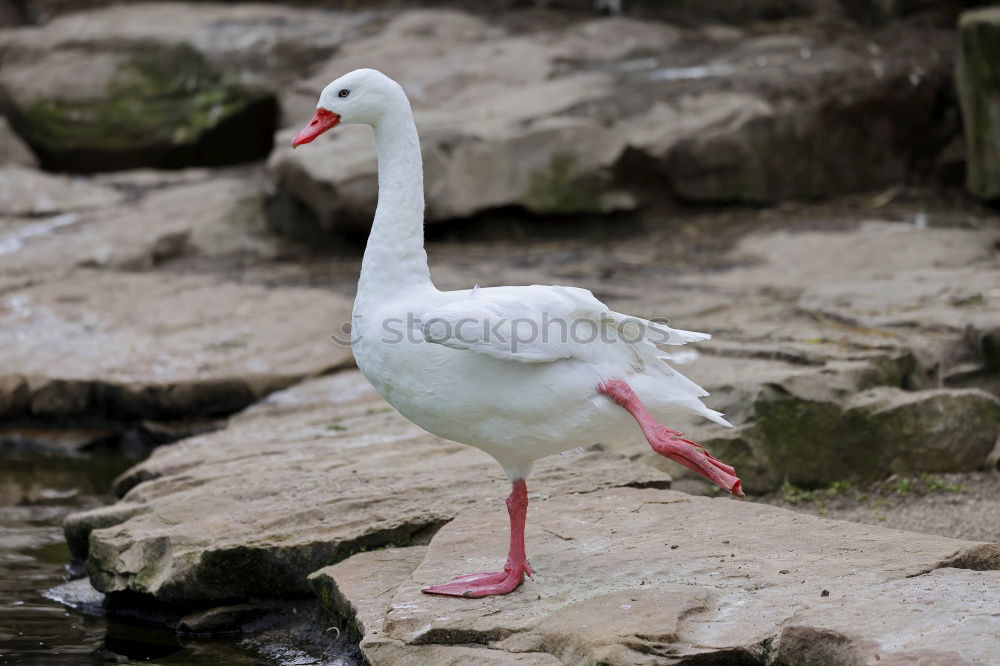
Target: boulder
[821, 117]
[129, 346]
[312, 475]
[978, 74]
[12, 149]
[161, 106]
[629, 576]
[483, 146]
[600, 116]
[159, 84]
[871, 435]
[839, 420]
[940, 430]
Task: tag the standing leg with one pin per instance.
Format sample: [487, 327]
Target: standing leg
[669, 443]
[486, 583]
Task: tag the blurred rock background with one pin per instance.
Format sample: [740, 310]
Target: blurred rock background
[812, 181]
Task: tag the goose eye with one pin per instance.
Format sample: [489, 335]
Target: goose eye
[344, 93]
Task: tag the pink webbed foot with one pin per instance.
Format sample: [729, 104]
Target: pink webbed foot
[484, 583]
[670, 443]
[487, 583]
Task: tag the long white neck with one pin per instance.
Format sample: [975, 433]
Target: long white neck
[394, 258]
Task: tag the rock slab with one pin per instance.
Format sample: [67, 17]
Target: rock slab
[631, 576]
[129, 345]
[301, 481]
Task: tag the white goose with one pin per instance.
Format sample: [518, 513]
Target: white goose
[519, 372]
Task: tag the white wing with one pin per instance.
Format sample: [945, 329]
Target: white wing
[542, 324]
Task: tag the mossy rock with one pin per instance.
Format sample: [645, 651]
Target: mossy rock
[163, 107]
[940, 430]
[563, 188]
[979, 91]
[875, 433]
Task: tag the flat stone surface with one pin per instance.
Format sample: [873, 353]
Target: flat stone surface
[947, 616]
[631, 576]
[931, 297]
[211, 218]
[299, 482]
[27, 192]
[874, 248]
[359, 588]
[137, 345]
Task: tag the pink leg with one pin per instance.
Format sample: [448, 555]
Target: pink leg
[669, 443]
[486, 583]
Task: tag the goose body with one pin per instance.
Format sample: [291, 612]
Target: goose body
[519, 372]
[517, 403]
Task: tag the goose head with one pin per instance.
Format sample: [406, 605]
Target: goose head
[361, 97]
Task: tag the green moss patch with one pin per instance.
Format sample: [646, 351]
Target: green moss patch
[160, 103]
[563, 188]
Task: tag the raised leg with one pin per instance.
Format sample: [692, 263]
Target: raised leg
[669, 443]
[487, 583]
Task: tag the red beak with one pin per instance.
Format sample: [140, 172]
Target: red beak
[321, 122]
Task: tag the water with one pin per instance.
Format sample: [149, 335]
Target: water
[37, 489]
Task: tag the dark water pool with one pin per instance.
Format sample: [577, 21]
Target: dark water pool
[37, 489]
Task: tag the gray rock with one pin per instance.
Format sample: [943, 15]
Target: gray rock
[977, 86]
[359, 588]
[157, 105]
[943, 430]
[842, 421]
[806, 320]
[305, 479]
[631, 576]
[136, 345]
[932, 297]
[159, 84]
[924, 620]
[27, 192]
[584, 118]
[214, 218]
[484, 147]
[825, 125]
